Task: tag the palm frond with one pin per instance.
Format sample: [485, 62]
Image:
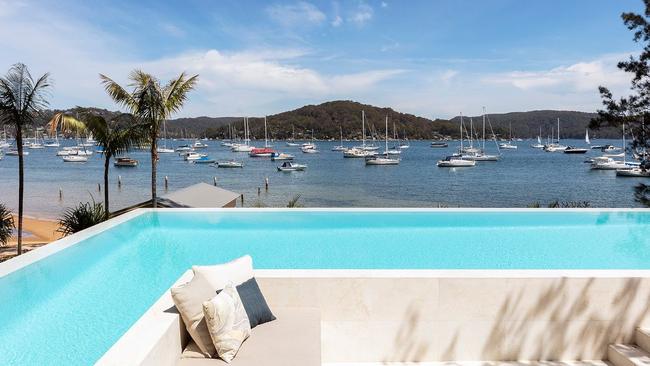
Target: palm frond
[118, 93]
[176, 93]
[66, 123]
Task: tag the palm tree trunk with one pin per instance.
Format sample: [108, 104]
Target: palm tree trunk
[154, 161]
[107, 161]
[19, 146]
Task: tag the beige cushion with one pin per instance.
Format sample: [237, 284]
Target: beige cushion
[189, 298]
[227, 321]
[291, 340]
[237, 271]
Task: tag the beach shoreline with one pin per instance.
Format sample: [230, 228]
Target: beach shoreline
[37, 231]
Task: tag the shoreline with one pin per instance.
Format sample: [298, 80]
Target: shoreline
[37, 232]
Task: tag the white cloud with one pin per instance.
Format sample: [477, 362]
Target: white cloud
[384, 4]
[581, 76]
[448, 75]
[298, 14]
[173, 30]
[362, 14]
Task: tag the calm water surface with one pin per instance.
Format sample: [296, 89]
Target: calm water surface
[521, 177]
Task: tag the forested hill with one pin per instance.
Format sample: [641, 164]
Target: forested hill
[327, 118]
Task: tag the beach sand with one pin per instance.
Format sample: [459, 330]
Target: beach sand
[36, 232]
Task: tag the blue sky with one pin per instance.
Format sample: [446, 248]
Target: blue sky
[430, 58]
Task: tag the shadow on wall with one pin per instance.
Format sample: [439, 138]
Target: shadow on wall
[568, 319]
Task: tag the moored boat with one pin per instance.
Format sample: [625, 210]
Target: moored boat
[575, 150]
[455, 161]
[439, 144]
[125, 162]
[281, 156]
[230, 164]
[75, 159]
[288, 166]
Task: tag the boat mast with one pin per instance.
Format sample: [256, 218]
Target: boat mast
[386, 135]
[266, 139]
[363, 128]
[483, 129]
[558, 130]
[341, 132]
[624, 149]
[461, 132]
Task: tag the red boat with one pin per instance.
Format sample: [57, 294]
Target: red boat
[261, 152]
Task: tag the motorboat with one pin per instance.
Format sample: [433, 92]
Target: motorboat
[393, 151]
[605, 163]
[507, 146]
[455, 161]
[309, 149]
[84, 152]
[261, 152]
[358, 153]
[125, 162]
[288, 166]
[242, 148]
[15, 153]
[230, 164]
[204, 160]
[633, 172]
[281, 156]
[182, 148]
[575, 150]
[439, 144]
[609, 148]
[554, 147]
[290, 143]
[75, 159]
[164, 150]
[194, 156]
[199, 145]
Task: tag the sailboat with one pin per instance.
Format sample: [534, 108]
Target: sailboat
[470, 139]
[508, 145]
[4, 143]
[394, 150]
[310, 147]
[555, 146]
[35, 144]
[382, 160]
[291, 142]
[481, 155]
[340, 147]
[265, 151]
[608, 163]
[456, 160]
[363, 146]
[245, 147]
[164, 149]
[405, 144]
[539, 144]
[360, 151]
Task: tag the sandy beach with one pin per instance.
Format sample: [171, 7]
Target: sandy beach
[36, 232]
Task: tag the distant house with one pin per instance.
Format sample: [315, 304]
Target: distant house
[201, 195]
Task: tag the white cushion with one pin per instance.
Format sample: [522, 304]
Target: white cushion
[237, 271]
[189, 298]
[227, 322]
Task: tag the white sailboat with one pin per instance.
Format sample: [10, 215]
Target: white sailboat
[556, 146]
[164, 149]
[360, 151]
[36, 144]
[340, 147]
[394, 150]
[508, 145]
[310, 147]
[383, 160]
[245, 147]
[609, 163]
[456, 160]
[292, 142]
[539, 144]
[363, 146]
[481, 155]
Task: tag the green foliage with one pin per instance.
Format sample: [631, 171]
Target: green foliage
[294, 202]
[81, 217]
[561, 204]
[642, 194]
[6, 224]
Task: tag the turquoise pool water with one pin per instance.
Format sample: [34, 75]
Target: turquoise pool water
[70, 307]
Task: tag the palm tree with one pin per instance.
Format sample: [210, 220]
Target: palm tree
[21, 99]
[115, 137]
[152, 104]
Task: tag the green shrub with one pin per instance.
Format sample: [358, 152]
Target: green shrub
[81, 217]
[6, 224]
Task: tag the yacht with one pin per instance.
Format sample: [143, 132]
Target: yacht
[455, 161]
[480, 154]
[385, 159]
[292, 140]
[259, 152]
[609, 148]
[245, 147]
[194, 156]
[605, 163]
[125, 162]
[358, 153]
[204, 160]
[575, 150]
[439, 144]
[508, 145]
[199, 145]
[281, 156]
[164, 149]
[230, 164]
[633, 172]
[75, 159]
[539, 144]
[14, 152]
[309, 147]
[182, 148]
[288, 166]
[363, 146]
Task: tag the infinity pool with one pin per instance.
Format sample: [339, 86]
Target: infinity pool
[70, 307]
